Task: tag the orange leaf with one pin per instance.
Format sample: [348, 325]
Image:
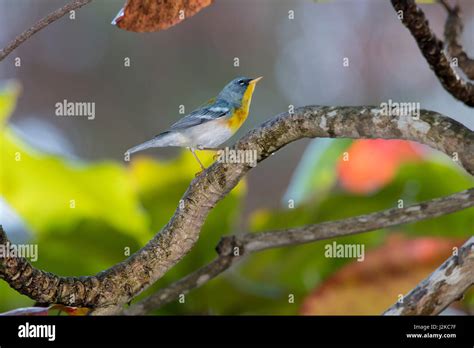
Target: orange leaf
[155, 15]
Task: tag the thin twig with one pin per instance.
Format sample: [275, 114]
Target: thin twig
[41, 25]
[432, 49]
[447, 7]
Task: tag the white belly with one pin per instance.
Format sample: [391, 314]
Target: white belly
[210, 134]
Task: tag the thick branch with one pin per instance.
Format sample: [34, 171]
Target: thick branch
[120, 283]
[452, 31]
[444, 286]
[253, 242]
[194, 280]
[432, 49]
[43, 23]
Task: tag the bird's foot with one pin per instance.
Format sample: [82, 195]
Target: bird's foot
[202, 148]
[216, 149]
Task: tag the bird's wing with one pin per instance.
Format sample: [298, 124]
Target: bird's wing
[209, 112]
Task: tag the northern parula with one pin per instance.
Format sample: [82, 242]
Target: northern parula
[210, 125]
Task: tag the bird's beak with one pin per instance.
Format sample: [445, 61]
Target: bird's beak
[254, 81]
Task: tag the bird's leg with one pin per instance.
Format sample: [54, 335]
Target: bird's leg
[200, 147]
[197, 159]
[210, 148]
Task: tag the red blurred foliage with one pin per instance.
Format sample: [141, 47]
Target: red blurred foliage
[371, 286]
[372, 163]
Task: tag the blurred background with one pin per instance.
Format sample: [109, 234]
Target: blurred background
[72, 194]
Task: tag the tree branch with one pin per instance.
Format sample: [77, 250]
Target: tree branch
[253, 242]
[432, 49]
[43, 23]
[452, 31]
[122, 282]
[444, 286]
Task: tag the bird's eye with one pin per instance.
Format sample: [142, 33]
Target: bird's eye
[241, 82]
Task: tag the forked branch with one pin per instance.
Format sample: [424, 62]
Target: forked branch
[432, 49]
[453, 29]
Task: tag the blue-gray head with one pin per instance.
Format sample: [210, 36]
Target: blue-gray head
[238, 89]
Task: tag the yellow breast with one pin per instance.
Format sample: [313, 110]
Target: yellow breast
[240, 114]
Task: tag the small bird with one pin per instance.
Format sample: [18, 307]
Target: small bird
[210, 125]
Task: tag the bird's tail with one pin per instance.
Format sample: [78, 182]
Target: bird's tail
[158, 141]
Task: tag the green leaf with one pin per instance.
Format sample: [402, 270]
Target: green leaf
[49, 192]
[316, 172]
